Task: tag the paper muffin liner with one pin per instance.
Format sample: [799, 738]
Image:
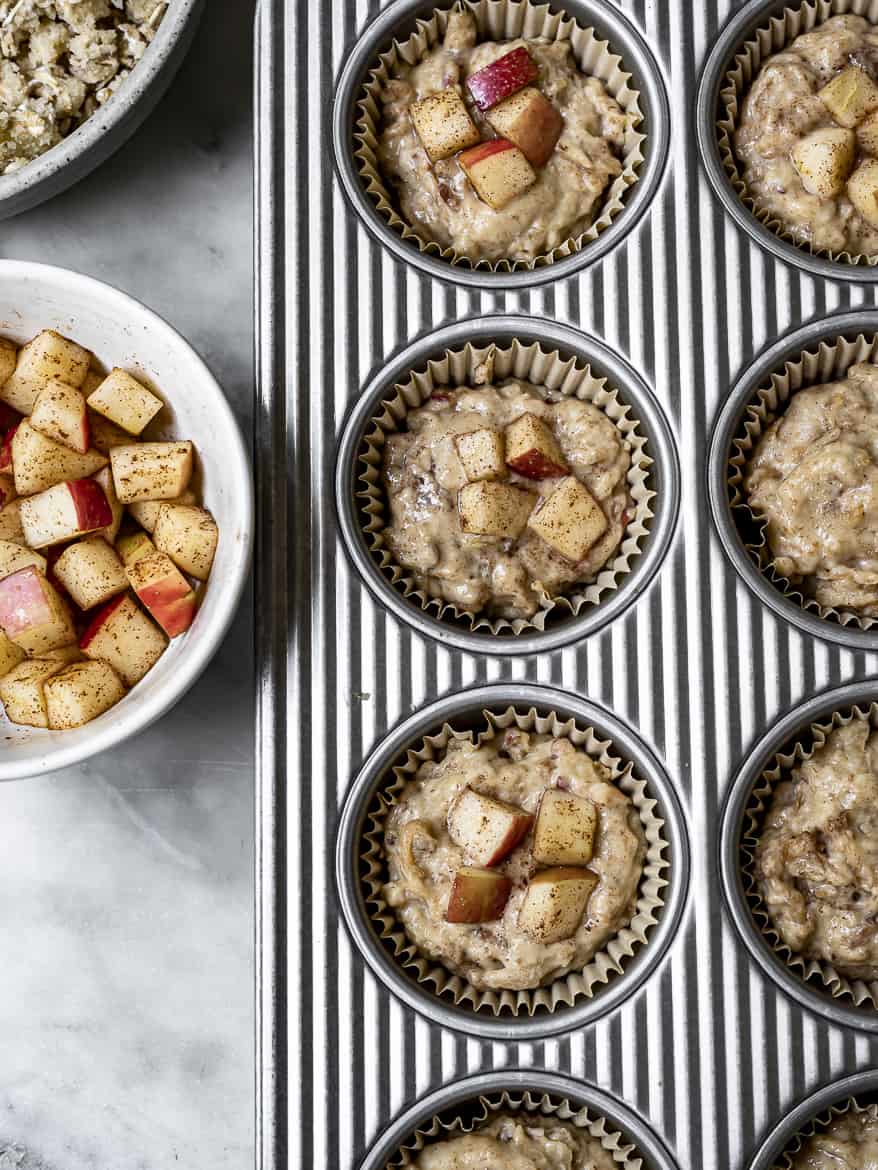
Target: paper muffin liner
[814, 971]
[474, 366]
[829, 361]
[819, 1123]
[469, 1116]
[500, 20]
[607, 963]
[772, 38]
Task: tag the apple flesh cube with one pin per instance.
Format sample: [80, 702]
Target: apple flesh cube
[125, 402]
[189, 536]
[105, 435]
[481, 454]
[554, 903]
[10, 655]
[494, 509]
[443, 124]
[862, 190]
[48, 357]
[124, 636]
[91, 572]
[10, 523]
[64, 512]
[570, 520]
[486, 829]
[146, 512]
[850, 96]
[530, 121]
[7, 490]
[39, 462]
[164, 592]
[498, 170]
[565, 828]
[22, 692]
[532, 450]
[8, 362]
[151, 471]
[502, 77]
[59, 413]
[33, 614]
[477, 895]
[824, 160]
[81, 692]
[13, 557]
[104, 479]
[134, 548]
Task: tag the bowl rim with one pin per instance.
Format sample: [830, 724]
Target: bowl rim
[237, 463]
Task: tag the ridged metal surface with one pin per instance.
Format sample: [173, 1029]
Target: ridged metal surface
[709, 1051]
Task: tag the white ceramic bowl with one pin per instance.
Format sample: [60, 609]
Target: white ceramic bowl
[120, 331]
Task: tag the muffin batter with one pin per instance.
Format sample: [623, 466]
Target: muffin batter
[522, 1141]
[849, 1142]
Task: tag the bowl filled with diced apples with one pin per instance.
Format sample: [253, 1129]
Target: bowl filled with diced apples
[125, 517]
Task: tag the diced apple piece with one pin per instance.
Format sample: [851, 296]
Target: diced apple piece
[867, 134]
[7, 490]
[481, 453]
[104, 479]
[532, 450]
[555, 902]
[486, 829]
[850, 96]
[502, 77]
[443, 124]
[164, 592]
[59, 412]
[33, 614]
[494, 509]
[124, 636]
[570, 520]
[824, 160]
[146, 512]
[65, 512]
[6, 449]
[10, 523]
[10, 655]
[63, 655]
[39, 462]
[498, 170]
[81, 692]
[8, 361]
[125, 402]
[189, 536]
[49, 356]
[530, 121]
[22, 692]
[13, 557]
[134, 548]
[565, 828]
[105, 435]
[477, 895]
[151, 471]
[91, 572]
[863, 190]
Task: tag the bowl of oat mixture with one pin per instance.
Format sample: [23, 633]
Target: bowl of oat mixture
[77, 77]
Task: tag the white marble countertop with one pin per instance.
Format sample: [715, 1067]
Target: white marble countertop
[126, 1025]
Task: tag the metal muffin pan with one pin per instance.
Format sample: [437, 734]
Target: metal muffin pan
[664, 479]
[458, 710]
[398, 22]
[728, 426]
[457, 1096]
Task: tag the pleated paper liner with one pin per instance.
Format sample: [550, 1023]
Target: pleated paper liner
[607, 963]
[474, 366]
[772, 38]
[813, 971]
[829, 361]
[820, 1124]
[538, 1105]
[500, 20]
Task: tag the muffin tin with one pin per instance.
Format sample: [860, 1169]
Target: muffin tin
[707, 1048]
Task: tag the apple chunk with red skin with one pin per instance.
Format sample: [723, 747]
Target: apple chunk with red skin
[477, 895]
[64, 512]
[503, 77]
[565, 828]
[486, 829]
[498, 170]
[124, 636]
[555, 902]
[164, 592]
[32, 613]
[532, 450]
[530, 121]
[39, 462]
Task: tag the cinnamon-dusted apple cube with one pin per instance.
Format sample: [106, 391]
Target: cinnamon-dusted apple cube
[124, 636]
[146, 512]
[862, 190]
[13, 557]
[498, 171]
[33, 614]
[59, 412]
[485, 828]
[22, 692]
[151, 471]
[850, 96]
[477, 895]
[502, 77]
[81, 692]
[10, 655]
[570, 520]
[39, 462]
[164, 592]
[8, 361]
[532, 450]
[443, 124]
[105, 435]
[555, 902]
[189, 536]
[530, 121]
[10, 523]
[64, 512]
[565, 828]
[481, 454]
[91, 572]
[824, 160]
[49, 356]
[494, 509]
[125, 402]
[134, 548]
[7, 490]
[867, 134]
[104, 479]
